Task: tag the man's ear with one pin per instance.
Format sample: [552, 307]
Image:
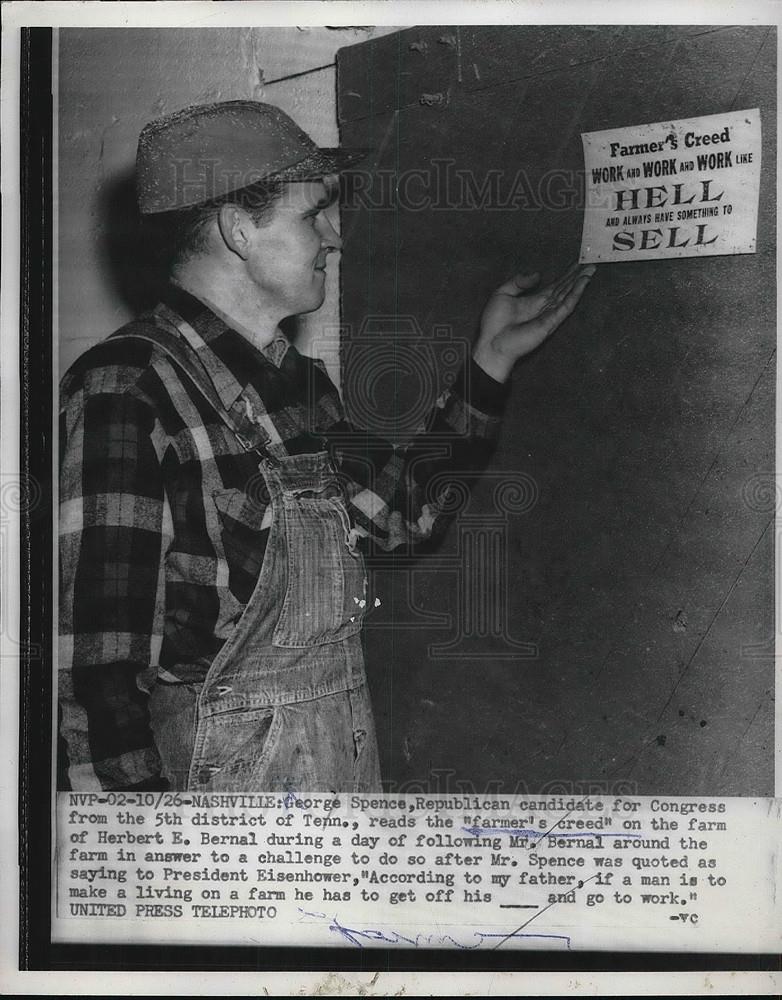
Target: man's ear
[235, 225]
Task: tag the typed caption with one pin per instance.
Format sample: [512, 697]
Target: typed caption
[414, 871]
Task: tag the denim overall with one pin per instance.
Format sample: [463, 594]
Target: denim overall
[284, 705]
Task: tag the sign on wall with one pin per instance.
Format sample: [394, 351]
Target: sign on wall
[686, 188]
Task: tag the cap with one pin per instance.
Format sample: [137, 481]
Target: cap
[209, 150]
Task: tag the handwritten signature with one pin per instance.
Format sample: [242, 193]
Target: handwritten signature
[358, 936]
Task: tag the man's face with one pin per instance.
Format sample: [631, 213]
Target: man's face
[287, 259]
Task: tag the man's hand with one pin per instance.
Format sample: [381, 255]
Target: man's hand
[517, 319]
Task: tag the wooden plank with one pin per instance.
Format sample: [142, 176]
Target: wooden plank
[498, 54]
[400, 70]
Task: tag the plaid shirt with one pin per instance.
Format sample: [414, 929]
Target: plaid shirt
[164, 517]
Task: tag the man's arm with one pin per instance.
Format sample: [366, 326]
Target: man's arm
[401, 496]
[114, 519]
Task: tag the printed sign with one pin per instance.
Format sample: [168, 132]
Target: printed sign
[687, 188]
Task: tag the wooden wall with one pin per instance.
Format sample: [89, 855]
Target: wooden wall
[641, 438]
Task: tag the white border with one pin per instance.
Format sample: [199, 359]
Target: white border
[287, 13]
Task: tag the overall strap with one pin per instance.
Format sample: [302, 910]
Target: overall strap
[166, 337]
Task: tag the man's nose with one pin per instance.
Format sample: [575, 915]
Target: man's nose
[329, 236]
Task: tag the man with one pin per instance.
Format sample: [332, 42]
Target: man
[214, 499]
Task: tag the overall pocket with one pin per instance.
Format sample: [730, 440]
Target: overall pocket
[235, 750]
[325, 597]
